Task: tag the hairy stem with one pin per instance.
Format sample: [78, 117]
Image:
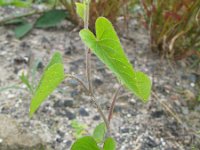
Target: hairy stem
[114, 98]
[87, 50]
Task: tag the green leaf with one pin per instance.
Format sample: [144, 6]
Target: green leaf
[18, 3]
[16, 21]
[51, 18]
[99, 132]
[107, 47]
[80, 7]
[109, 144]
[21, 30]
[85, 143]
[51, 78]
[56, 58]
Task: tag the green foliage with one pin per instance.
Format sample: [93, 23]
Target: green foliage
[107, 47]
[99, 132]
[80, 7]
[85, 143]
[51, 18]
[21, 30]
[16, 3]
[80, 129]
[109, 144]
[51, 78]
[94, 142]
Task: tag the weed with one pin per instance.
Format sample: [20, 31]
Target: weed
[106, 45]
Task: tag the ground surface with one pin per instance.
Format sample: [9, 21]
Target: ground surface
[135, 125]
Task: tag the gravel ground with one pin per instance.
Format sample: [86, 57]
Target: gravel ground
[169, 121]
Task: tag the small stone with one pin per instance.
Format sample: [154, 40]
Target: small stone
[96, 117]
[74, 93]
[83, 112]
[62, 134]
[68, 103]
[128, 115]
[69, 143]
[157, 114]
[59, 140]
[150, 142]
[192, 84]
[58, 103]
[70, 115]
[124, 130]
[97, 82]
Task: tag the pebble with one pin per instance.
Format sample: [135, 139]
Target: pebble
[96, 117]
[83, 112]
[68, 103]
[157, 114]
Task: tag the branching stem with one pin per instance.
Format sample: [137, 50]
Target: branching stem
[92, 97]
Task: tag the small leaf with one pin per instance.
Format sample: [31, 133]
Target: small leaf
[21, 30]
[80, 7]
[99, 132]
[107, 47]
[85, 143]
[51, 78]
[51, 18]
[109, 144]
[25, 80]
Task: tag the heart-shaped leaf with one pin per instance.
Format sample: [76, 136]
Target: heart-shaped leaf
[51, 78]
[85, 143]
[107, 47]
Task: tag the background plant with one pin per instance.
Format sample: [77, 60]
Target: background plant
[58, 10]
[174, 26]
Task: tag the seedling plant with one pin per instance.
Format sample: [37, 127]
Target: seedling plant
[105, 44]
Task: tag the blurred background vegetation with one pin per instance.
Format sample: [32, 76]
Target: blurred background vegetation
[174, 26]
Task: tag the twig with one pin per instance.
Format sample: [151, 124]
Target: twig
[114, 98]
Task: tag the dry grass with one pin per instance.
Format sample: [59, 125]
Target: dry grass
[174, 26]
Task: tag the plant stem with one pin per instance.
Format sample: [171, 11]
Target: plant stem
[78, 80]
[87, 50]
[114, 98]
[91, 97]
[88, 66]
